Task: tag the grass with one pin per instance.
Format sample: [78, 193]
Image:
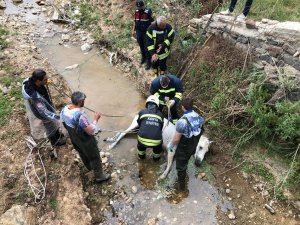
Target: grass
[281, 10]
[53, 203]
[3, 34]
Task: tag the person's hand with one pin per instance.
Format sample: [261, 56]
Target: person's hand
[133, 34]
[97, 116]
[154, 58]
[159, 48]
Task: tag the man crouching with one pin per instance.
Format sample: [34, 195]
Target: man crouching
[81, 132]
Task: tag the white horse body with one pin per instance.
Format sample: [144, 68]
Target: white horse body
[167, 133]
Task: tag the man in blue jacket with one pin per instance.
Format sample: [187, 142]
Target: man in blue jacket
[168, 89]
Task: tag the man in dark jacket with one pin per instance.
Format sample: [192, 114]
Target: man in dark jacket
[160, 36]
[169, 89]
[142, 20]
[150, 121]
[36, 95]
[81, 132]
[186, 138]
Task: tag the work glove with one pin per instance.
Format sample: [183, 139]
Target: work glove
[154, 58]
[172, 102]
[171, 147]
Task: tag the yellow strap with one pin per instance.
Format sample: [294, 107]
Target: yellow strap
[150, 47]
[149, 142]
[167, 42]
[151, 115]
[149, 35]
[171, 32]
[166, 90]
[178, 95]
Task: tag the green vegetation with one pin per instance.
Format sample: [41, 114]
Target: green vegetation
[53, 203]
[12, 98]
[88, 16]
[281, 10]
[3, 35]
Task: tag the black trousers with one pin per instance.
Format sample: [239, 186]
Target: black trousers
[161, 65]
[246, 9]
[186, 148]
[86, 146]
[142, 41]
[142, 150]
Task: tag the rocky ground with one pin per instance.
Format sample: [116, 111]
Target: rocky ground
[69, 194]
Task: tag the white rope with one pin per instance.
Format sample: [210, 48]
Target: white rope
[39, 189]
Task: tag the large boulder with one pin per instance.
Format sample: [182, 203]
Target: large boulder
[19, 215]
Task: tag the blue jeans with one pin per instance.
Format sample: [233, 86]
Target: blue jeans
[246, 9]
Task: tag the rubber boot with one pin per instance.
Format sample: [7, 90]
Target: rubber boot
[181, 181]
[100, 176]
[148, 65]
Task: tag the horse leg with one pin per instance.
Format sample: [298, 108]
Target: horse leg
[170, 161]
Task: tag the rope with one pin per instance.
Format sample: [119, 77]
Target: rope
[39, 190]
[102, 114]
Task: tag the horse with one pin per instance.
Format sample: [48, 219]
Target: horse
[168, 132]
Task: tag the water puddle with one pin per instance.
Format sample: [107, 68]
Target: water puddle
[110, 92]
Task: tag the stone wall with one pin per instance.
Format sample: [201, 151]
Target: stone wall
[274, 45]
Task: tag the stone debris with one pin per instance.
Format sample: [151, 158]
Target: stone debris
[75, 66]
[86, 47]
[270, 209]
[134, 189]
[231, 215]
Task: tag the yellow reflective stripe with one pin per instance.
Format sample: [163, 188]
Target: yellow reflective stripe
[157, 94]
[155, 155]
[171, 32]
[149, 35]
[141, 152]
[164, 55]
[162, 103]
[151, 115]
[166, 90]
[178, 95]
[167, 42]
[151, 47]
[174, 121]
[149, 142]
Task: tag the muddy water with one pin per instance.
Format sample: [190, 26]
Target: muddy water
[110, 92]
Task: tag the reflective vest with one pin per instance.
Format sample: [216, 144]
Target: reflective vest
[173, 91]
[150, 127]
[156, 37]
[142, 19]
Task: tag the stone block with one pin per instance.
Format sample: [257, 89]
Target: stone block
[267, 58]
[289, 49]
[274, 51]
[294, 62]
[243, 40]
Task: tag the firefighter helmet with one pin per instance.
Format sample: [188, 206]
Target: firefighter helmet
[154, 99]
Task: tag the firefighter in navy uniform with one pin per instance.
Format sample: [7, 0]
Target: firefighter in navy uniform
[160, 36]
[150, 122]
[142, 20]
[169, 89]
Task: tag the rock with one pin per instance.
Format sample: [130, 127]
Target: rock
[134, 189]
[231, 215]
[296, 54]
[250, 24]
[270, 209]
[252, 215]
[18, 215]
[289, 49]
[65, 37]
[2, 4]
[17, 1]
[297, 205]
[274, 51]
[201, 175]
[151, 221]
[86, 47]
[72, 67]
[227, 190]
[104, 160]
[294, 62]
[4, 89]
[2, 73]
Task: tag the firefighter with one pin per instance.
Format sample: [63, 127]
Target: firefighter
[40, 107]
[150, 121]
[169, 89]
[188, 132]
[142, 20]
[160, 36]
[81, 132]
